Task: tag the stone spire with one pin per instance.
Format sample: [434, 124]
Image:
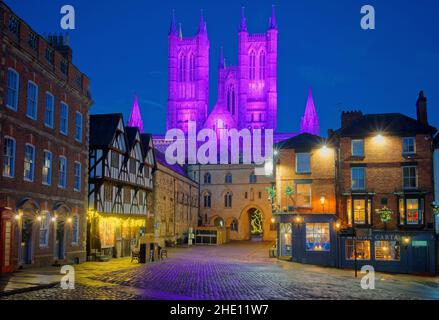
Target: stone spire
[202, 27]
[180, 32]
[273, 23]
[222, 60]
[135, 116]
[173, 29]
[243, 25]
[310, 121]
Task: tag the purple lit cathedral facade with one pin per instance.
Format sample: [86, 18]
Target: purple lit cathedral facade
[247, 93]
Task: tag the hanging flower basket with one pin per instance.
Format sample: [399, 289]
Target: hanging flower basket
[385, 214]
[435, 206]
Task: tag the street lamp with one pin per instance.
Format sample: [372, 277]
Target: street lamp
[322, 202]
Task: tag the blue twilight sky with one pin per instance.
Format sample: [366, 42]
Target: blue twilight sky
[122, 47]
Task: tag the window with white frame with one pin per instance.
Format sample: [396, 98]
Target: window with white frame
[62, 172]
[75, 229]
[411, 211]
[12, 89]
[44, 230]
[9, 157]
[357, 148]
[358, 178]
[29, 162]
[64, 118]
[32, 100]
[303, 163]
[317, 237]
[48, 110]
[78, 127]
[47, 168]
[408, 145]
[410, 180]
[77, 176]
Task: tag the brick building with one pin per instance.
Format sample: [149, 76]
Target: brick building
[232, 196]
[305, 201]
[385, 185]
[176, 201]
[44, 106]
[436, 168]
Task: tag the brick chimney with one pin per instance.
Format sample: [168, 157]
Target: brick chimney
[421, 108]
[347, 117]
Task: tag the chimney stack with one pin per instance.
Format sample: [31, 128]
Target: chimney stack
[421, 109]
[347, 117]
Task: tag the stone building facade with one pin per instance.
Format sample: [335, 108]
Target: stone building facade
[176, 202]
[232, 196]
[44, 107]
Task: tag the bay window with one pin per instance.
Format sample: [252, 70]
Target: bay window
[411, 211]
[359, 210]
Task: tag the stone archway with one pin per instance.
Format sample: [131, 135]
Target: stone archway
[27, 212]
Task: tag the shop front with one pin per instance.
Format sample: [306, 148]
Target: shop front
[308, 238]
[114, 236]
[411, 252]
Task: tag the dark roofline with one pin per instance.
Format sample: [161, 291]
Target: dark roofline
[303, 141]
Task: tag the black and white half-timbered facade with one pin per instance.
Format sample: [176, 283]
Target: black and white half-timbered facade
[121, 164]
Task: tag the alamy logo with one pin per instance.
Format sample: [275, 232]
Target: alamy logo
[68, 281]
[368, 20]
[224, 146]
[368, 281]
[68, 20]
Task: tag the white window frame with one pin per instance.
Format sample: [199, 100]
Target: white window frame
[75, 176]
[33, 117]
[51, 124]
[76, 126]
[16, 89]
[59, 173]
[352, 178]
[352, 148]
[414, 145]
[416, 177]
[66, 132]
[13, 157]
[50, 169]
[33, 163]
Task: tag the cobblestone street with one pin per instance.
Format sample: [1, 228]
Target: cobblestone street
[232, 271]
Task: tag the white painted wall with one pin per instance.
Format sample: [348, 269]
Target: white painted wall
[436, 174]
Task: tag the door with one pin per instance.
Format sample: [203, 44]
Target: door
[6, 244]
[60, 240]
[420, 259]
[285, 240]
[26, 242]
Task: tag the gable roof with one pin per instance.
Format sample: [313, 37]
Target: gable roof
[304, 141]
[390, 123]
[103, 128]
[146, 139]
[131, 133]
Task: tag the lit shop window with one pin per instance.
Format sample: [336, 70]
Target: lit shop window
[317, 237]
[362, 250]
[387, 250]
[411, 211]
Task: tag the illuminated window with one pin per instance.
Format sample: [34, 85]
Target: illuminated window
[358, 178]
[409, 174]
[62, 172]
[192, 68]
[47, 168]
[9, 157]
[387, 250]
[303, 195]
[362, 249]
[262, 65]
[408, 145]
[29, 162]
[75, 229]
[411, 211]
[317, 237]
[252, 65]
[358, 148]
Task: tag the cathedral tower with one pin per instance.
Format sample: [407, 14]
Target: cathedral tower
[188, 82]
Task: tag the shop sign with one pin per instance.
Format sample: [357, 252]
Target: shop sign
[417, 243]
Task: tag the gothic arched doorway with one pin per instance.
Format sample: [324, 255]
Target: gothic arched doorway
[256, 220]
